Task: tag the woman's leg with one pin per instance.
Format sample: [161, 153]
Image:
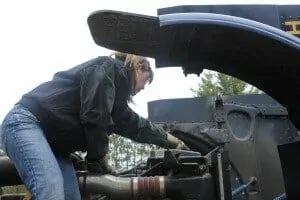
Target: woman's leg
[71, 187]
[29, 150]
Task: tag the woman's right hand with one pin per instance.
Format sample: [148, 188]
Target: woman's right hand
[175, 143]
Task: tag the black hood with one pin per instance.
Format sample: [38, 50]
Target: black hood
[260, 54]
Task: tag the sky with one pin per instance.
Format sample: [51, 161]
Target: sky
[41, 37]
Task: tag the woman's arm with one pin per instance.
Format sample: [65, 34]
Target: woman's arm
[131, 125]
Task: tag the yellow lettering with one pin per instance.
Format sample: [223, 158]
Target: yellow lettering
[293, 25]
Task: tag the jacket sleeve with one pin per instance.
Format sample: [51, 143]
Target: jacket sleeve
[131, 125]
[97, 94]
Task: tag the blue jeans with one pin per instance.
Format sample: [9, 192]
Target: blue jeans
[45, 175]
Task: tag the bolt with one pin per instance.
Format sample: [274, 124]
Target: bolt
[202, 168]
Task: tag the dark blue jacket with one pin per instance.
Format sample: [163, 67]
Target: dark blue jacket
[78, 108]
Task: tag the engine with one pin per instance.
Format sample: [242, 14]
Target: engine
[232, 148]
[167, 174]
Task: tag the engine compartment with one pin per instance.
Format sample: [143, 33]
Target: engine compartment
[249, 127]
[233, 154]
[167, 174]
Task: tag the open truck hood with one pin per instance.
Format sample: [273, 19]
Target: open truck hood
[257, 50]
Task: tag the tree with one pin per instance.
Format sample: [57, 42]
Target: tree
[125, 154]
[214, 83]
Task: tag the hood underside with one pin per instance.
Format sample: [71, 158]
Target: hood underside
[257, 53]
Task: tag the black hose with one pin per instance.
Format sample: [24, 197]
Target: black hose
[8, 173]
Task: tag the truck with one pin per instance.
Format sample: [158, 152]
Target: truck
[242, 147]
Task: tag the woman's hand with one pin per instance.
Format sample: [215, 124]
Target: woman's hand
[175, 143]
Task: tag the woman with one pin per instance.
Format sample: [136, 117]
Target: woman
[76, 111]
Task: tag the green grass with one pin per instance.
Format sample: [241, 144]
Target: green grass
[14, 189]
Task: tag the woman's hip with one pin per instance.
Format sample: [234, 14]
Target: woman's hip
[18, 123]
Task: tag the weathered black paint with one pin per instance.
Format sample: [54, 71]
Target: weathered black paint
[246, 42]
[289, 155]
[251, 126]
[273, 15]
[257, 53]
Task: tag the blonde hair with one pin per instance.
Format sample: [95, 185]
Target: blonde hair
[135, 62]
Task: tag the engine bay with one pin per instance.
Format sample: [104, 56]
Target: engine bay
[167, 174]
[232, 155]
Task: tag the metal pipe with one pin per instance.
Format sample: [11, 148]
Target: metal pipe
[8, 173]
[123, 188]
[115, 187]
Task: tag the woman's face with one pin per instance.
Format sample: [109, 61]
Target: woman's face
[142, 78]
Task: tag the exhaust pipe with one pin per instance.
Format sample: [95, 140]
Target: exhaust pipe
[123, 188]
[115, 187]
[151, 188]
